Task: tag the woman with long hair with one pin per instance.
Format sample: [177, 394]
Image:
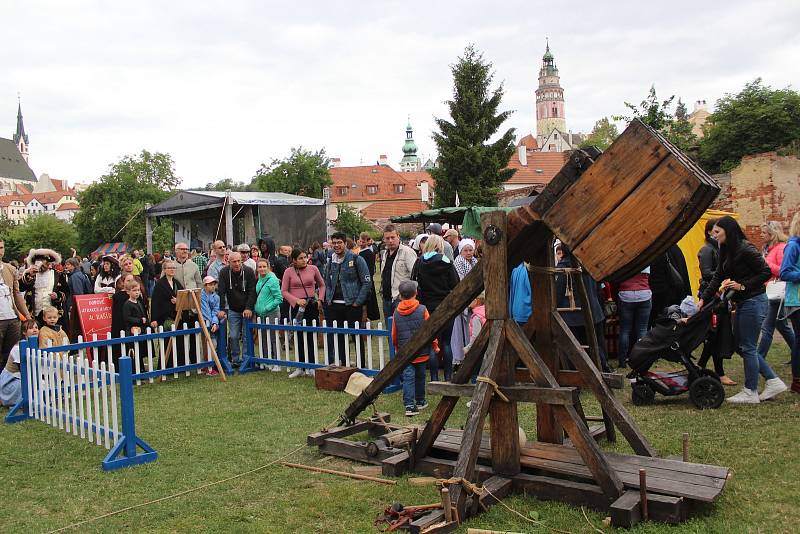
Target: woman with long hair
[106, 279]
[790, 273]
[165, 296]
[303, 288]
[774, 245]
[437, 277]
[743, 271]
[463, 264]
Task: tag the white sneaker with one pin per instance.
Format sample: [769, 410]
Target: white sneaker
[746, 396]
[310, 372]
[275, 368]
[774, 386]
[296, 373]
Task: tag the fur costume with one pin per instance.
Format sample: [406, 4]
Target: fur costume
[27, 283]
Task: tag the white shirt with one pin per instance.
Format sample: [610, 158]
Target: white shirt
[6, 305]
[42, 287]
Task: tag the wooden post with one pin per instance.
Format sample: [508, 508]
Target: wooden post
[685, 446]
[504, 420]
[447, 505]
[643, 492]
[543, 301]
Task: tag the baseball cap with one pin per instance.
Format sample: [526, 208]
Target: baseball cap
[209, 280]
[434, 228]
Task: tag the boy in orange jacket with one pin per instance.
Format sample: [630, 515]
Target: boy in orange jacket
[407, 319]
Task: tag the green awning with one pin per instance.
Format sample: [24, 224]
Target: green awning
[469, 218]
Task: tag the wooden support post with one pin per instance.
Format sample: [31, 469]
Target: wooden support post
[611, 404]
[473, 429]
[543, 295]
[447, 505]
[643, 492]
[594, 346]
[685, 446]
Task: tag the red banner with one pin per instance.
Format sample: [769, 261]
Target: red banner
[94, 316]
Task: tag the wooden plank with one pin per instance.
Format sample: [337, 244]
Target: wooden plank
[458, 299]
[468, 455]
[556, 489]
[615, 242]
[441, 468]
[576, 379]
[516, 393]
[593, 457]
[495, 271]
[495, 488]
[622, 419]
[345, 430]
[357, 450]
[626, 511]
[604, 185]
[396, 465]
[431, 518]
[446, 405]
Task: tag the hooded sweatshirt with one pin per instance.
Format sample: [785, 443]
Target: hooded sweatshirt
[437, 277]
[405, 322]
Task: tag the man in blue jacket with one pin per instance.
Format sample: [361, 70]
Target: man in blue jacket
[347, 282]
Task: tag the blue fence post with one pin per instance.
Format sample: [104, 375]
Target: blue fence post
[124, 453]
[397, 381]
[21, 410]
[222, 347]
[248, 349]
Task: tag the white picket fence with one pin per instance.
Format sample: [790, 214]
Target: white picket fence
[68, 393]
[367, 346]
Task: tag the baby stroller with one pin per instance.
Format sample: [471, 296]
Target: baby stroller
[674, 341]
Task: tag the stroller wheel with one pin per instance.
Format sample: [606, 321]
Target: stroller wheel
[642, 394]
[706, 393]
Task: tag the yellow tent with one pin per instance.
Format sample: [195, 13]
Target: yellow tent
[691, 243]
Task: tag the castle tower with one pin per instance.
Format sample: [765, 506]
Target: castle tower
[20, 137]
[549, 98]
[410, 161]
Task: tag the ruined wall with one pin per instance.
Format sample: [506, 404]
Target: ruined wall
[764, 187]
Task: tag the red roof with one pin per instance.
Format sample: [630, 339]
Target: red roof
[68, 206]
[384, 210]
[52, 197]
[540, 169]
[381, 179]
[529, 141]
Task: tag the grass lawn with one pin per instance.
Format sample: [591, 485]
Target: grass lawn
[205, 430]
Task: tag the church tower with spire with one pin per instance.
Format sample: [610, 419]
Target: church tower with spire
[410, 162]
[20, 137]
[549, 99]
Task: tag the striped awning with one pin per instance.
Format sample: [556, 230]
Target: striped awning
[112, 248]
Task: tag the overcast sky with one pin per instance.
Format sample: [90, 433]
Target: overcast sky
[225, 86]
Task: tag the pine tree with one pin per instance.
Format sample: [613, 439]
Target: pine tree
[468, 164]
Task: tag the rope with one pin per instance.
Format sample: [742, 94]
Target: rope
[175, 495]
[555, 270]
[127, 223]
[496, 387]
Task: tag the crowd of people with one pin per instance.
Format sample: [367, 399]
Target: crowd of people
[334, 281]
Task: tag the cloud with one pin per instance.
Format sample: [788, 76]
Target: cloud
[225, 86]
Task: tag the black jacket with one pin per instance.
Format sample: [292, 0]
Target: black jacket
[237, 291]
[436, 277]
[134, 314]
[708, 258]
[747, 266]
[161, 306]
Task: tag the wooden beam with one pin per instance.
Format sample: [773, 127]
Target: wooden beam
[317, 438]
[626, 511]
[504, 430]
[446, 405]
[468, 456]
[576, 379]
[556, 489]
[455, 303]
[516, 393]
[495, 270]
[622, 419]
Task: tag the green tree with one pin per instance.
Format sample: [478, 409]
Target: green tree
[113, 208]
[227, 184]
[469, 165]
[680, 130]
[303, 173]
[6, 225]
[603, 134]
[650, 111]
[42, 230]
[350, 221]
[757, 119]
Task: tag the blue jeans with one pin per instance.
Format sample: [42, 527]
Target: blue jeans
[770, 324]
[234, 333]
[633, 318]
[749, 317]
[795, 318]
[388, 308]
[414, 384]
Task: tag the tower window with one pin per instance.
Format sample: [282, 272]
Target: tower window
[555, 112]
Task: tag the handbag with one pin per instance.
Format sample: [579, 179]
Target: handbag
[776, 289]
